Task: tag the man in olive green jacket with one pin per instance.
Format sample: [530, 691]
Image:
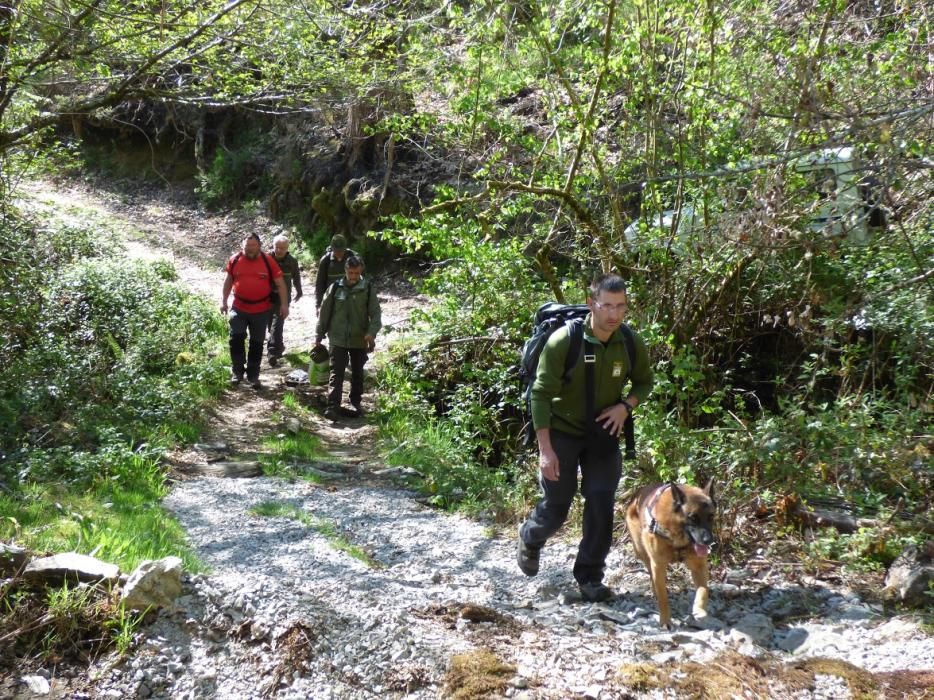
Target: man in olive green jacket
[566, 441]
[350, 317]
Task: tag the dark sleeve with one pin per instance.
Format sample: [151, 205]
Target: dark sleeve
[548, 377]
[321, 280]
[296, 276]
[374, 314]
[325, 313]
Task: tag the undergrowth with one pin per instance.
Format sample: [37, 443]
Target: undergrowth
[107, 363]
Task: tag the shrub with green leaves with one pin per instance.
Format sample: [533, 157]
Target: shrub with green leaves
[113, 344]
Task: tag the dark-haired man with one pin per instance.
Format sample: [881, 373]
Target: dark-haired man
[251, 276]
[350, 318]
[567, 440]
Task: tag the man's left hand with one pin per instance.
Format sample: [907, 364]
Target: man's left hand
[370, 343]
[612, 418]
[283, 311]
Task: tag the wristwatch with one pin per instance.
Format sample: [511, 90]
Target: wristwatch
[628, 405]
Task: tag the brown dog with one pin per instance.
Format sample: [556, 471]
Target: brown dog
[669, 523]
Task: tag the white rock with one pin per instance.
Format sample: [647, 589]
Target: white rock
[37, 684]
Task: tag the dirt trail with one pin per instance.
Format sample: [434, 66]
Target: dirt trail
[168, 224]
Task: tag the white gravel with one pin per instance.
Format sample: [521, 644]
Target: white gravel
[390, 630]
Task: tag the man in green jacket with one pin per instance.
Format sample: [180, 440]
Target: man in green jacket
[566, 441]
[331, 267]
[291, 277]
[350, 317]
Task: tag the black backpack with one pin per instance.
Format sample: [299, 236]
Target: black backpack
[549, 317]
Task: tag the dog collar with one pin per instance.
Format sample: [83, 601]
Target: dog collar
[651, 523]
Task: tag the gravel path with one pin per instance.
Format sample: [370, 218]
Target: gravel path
[284, 612]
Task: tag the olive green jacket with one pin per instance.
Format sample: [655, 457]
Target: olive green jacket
[348, 314]
[291, 274]
[560, 405]
[329, 271]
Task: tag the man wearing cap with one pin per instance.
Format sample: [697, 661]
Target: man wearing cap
[251, 276]
[350, 318]
[291, 276]
[331, 267]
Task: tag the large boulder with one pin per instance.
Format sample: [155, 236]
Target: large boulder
[910, 576]
[154, 584]
[70, 567]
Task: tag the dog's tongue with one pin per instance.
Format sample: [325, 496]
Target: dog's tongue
[701, 550]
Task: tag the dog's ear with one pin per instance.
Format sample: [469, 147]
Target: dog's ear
[677, 495]
[708, 489]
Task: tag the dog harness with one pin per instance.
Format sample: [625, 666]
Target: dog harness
[651, 523]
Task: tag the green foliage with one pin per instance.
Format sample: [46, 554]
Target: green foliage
[111, 345]
[123, 626]
[238, 173]
[107, 363]
[867, 549]
[449, 401]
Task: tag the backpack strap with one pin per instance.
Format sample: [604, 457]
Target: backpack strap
[590, 384]
[330, 289]
[576, 334]
[578, 345]
[268, 272]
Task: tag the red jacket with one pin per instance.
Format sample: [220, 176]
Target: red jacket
[252, 284]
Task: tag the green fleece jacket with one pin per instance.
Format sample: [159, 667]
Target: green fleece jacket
[560, 405]
[348, 314]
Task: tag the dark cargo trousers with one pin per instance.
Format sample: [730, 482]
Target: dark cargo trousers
[339, 358]
[240, 325]
[275, 346]
[601, 466]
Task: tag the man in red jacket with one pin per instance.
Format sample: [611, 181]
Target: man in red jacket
[251, 275]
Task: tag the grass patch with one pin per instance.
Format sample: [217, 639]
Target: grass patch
[121, 524]
[286, 454]
[477, 674]
[448, 474]
[298, 360]
[325, 528]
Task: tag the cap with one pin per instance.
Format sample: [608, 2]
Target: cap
[338, 242]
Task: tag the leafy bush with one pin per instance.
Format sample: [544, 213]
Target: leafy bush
[237, 173]
[449, 397]
[106, 363]
[111, 344]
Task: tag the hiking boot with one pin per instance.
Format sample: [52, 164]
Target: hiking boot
[595, 592]
[358, 409]
[527, 557]
[235, 379]
[332, 413]
[256, 384]
[273, 360]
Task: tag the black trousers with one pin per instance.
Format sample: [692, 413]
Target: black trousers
[242, 324]
[601, 466]
[275, 346]
[339, 358]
